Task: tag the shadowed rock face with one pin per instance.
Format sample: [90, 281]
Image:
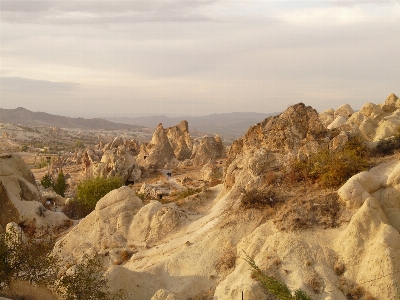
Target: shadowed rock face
[20, 199]
[8, 212]
[271, 143]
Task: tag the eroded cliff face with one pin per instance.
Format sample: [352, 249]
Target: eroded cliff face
[272, 143]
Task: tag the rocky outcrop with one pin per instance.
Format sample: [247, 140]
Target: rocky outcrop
[20, 199]
[272, 143]
[117, 162]
[180, 140]
[158, 152]
[373, 122]
[207, 149]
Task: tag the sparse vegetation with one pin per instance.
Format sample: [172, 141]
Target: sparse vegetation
[25, 259]
[302, 213]
[188, 192]
[85, 282]
[272, 285]
[259, 199]
[332, 169]
[91, 190]
[387, 146]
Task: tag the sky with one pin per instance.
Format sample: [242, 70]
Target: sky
[109, 58]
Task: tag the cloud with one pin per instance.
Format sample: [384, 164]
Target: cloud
[91, 12]
[24, 85]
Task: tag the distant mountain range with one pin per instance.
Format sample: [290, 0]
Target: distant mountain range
[232, 124]
[23, 116]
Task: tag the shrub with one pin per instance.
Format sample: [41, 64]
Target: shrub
[24, 148]
[85, 283]
[332, 168]
[91, 190]
[387, 146]
[47, 181]
[274, 286]
[60, 185]
[25, 259]
[258, 199]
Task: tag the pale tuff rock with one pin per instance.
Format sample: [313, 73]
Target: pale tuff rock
[180, 140]
[327, 116]
[121, 220]
[370, 248]
[20, 199]
[153, 190]
[206, 149]
[158, 152]
[164, 295]
[345, 110]
[339, 120]
[117, 162]
[210, 171]
[339, 141]
[272, 143]
[373, 122]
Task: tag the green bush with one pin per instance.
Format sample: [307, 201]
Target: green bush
[91, 190]
[332, 168]
[24, 148]
[47, 181]
[60, 185]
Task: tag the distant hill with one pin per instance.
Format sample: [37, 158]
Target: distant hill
[23, 116]
[233, 124]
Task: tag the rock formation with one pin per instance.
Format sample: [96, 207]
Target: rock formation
[158, 152]
[272, 143]
[373, 122]
[20, 199]
[180, 140]
[207, 149]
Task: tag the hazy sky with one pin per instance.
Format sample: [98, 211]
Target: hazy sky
[110, 57]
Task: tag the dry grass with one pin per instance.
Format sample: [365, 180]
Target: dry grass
[303, 213]
[226, 262]
[352, 291]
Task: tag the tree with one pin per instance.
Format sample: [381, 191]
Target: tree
[60, 186]
[47, 181]
[90, 191]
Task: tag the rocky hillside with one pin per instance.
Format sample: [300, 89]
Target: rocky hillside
[336, 242]
[23, 116]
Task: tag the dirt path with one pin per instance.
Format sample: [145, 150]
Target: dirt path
[176, 184]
